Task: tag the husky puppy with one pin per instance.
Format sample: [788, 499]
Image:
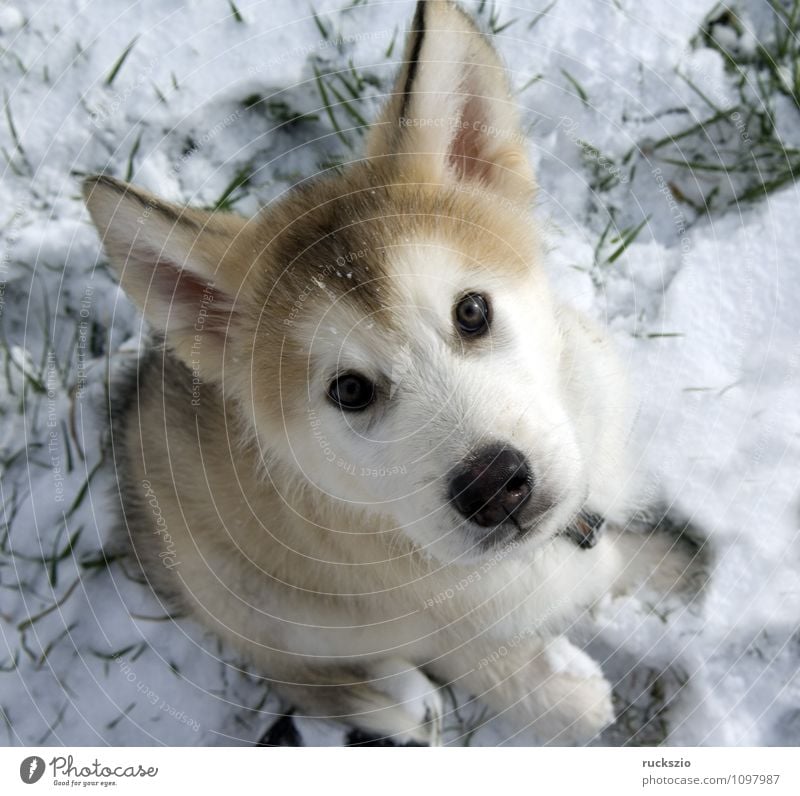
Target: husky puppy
[379, 447]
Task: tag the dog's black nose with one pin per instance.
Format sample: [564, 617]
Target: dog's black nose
[490, 486]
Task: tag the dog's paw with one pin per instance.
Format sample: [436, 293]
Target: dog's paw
[414, 711]
[575, 700]
[578, 709]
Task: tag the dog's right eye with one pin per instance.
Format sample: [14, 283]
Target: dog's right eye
[351, 391]
[472, 315]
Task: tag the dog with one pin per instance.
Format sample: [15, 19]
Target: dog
[368, 446]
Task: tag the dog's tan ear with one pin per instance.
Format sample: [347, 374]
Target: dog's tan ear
[178, 266]
[451, 116]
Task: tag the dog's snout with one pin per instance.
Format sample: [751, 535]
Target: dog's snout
[490, 486]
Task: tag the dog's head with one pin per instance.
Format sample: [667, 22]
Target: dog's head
[387, 333]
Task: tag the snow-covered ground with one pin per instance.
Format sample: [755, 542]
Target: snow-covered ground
[632, 109]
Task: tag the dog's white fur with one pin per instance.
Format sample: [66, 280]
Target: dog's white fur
[321, 542]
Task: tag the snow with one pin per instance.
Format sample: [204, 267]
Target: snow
[703, 310]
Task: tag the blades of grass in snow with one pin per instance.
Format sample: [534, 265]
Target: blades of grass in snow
[349, 109]
[11, 126]
[738, 142]
[598, 248]
[101, 561]
[53, 644]
[12, 663]
[786, 31]
[120, 61]
[763, 189]
[282, 113]
[493, 22]
[165, 618]
[84, 489]
[124, 714]
[627, 237]
[390, 48]
[323, 31]
[353, 90]
[12, 736]
[132, 157]
[695, 128]
[332, 164]
[67, 552]
[582, 95]
[10, 163]
[702, 207]
[697, 165]
[528, 83]
[35, 382]
[32, 620]
[538, 18]
[240, 180]
[363, 79]
[235, 11]
[497, 29]
[328, 109]
[56, 721]
[693, 86]
[136, 649]
[161, 98]
[15, 58]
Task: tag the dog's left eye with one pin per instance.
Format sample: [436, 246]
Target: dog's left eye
[351, 391]
[472, 314]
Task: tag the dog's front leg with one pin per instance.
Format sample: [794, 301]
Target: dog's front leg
[548, 689]
[388, 698]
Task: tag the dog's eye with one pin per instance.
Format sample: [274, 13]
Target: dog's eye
[472, 315]
[351, 391]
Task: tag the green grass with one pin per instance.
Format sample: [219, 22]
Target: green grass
[113, 723]
[115, 69]
[741, 147]
[392, 43]
[540, 15]
[323, 29]
[50, 563]
[55, 723]
[28, 623]
[726, 155]
[278, 111]
[11, 126]
[579, 89]
[132, 158]
[235, 190]
[488, 11]
[18, 149]
[343, 91]
[613, 242]
[235, 13]
[329, 108]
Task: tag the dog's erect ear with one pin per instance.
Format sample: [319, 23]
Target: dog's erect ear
[176, 264]
[451, 117]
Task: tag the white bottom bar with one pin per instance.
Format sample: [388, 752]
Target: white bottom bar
[590, 771]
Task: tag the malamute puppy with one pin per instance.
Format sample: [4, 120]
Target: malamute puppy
[380, 449]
